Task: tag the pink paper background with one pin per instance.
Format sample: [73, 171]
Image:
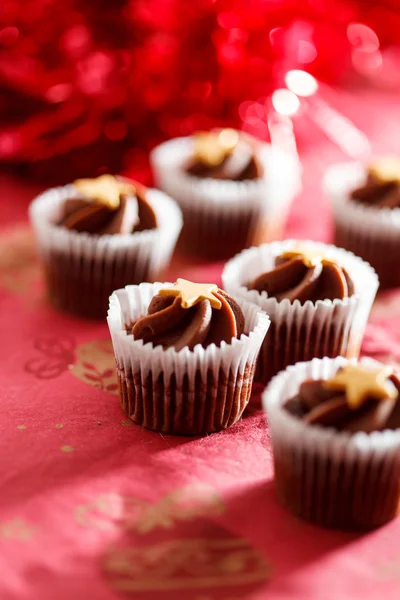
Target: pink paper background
[91, 505]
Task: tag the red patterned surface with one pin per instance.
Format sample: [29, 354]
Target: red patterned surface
[92, 506]
[88, 87]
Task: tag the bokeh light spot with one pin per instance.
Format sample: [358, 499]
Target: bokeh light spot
[285, 102]
[301, 83]
[362, 37]
[306, 52]
[366, 62]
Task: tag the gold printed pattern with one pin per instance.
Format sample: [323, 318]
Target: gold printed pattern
[110, 511]
[19, 268]
[95, 365]
[185, 564]
[17, 529]
[190, 502]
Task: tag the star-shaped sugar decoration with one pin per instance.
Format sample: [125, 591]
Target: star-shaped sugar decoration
[386, 168]
[309, 256]
[211, 148]
[360, 383]
[192, 293]
[105, 189]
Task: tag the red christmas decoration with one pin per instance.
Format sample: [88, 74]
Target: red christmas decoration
[88, 87]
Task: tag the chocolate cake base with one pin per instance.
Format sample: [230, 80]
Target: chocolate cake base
[338, 492]
[209, 405]
[220, 237]
[288, 344]
[83, 287]
[381, 253]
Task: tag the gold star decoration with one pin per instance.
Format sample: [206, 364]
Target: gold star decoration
[192, 293]
[105, 189]
[211, 148]
[386, 168]
[309, 256]
[360, 383]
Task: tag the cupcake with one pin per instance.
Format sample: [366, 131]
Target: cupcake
[366, 209]
[335, 433]
[185, 355]
[97, 235]
[233, 190]
[318, 298]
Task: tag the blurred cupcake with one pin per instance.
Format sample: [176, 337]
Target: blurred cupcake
[318, 298]
[97, 235]
[185, 355]
[335, 433]
[366, 208]
[233, 190]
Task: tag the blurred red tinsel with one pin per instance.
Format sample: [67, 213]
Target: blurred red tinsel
[90, 86]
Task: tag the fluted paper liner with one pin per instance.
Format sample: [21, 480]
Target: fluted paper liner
[190, 392]
[220, 215]
[303, 331]
[370, 232]
[82, 270]
[335, 479]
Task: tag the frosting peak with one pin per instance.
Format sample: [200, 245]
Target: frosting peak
[386, 168]
[382, 186]
[106, 190]
[223, 154]
[355, 399]
[304, 276]
[360, 384]
[211, 148]
[309, 256]
[169, 324]
[191, 293]
[107, 206]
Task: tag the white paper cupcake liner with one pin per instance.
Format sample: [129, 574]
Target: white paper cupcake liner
[82, 270]
[303, 331]
[190, 392]
[335, 479]
[226, 212]
[372, 233]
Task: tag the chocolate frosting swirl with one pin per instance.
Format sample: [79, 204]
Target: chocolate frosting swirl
[239, 164]
[293, 279]
[378, 193]
[315, 404]
[170, 325]
[88, 215]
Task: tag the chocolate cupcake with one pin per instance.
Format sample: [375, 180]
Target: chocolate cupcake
[97, 235]
[318, 298]
[232, 189]
[335, 432]
[185, 355]
[366, 208]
